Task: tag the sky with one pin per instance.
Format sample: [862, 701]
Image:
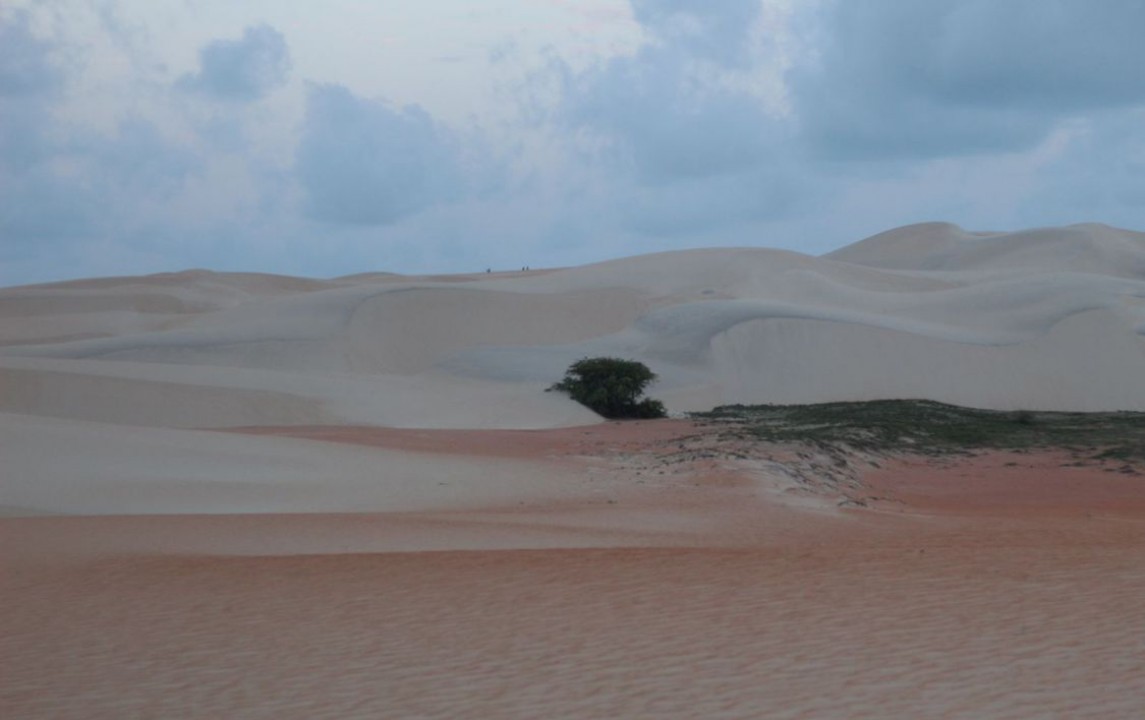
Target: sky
[347, 136]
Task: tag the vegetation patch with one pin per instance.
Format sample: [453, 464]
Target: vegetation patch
[611, 387]
[934, 428]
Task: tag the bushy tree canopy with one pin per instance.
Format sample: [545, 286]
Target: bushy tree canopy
[611, 387]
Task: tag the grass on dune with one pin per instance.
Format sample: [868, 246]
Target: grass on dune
[928, 427]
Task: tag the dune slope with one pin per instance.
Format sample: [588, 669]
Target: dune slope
[1043, 319]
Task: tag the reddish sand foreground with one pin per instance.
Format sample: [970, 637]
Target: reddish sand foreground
[995, 585]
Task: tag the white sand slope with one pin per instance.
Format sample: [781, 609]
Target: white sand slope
[66, 466]
[1049, 318]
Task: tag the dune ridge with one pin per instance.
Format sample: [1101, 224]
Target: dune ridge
[919, 304]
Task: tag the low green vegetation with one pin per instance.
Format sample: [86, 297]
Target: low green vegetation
[611, 387]
[926, 427]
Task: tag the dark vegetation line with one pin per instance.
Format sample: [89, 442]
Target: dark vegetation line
[934, 428]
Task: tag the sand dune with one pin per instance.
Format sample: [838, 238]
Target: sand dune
[245, 495]
[64, 466]
[1048, 319]
[1043, 319]
[1088, 248]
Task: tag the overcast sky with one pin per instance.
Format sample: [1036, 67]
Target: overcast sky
[346, 136]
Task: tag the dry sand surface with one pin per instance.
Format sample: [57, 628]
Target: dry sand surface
[699, 592]
[240, 495]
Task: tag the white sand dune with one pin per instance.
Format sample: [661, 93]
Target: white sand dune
[204, 396]
[1043, 319]
[353, 498]
[1087, 248]
[1046, 319]
[67, 466]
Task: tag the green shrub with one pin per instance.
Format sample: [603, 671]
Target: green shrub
[611, 387]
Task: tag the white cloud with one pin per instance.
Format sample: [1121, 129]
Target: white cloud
[275, 135]
[679, 129]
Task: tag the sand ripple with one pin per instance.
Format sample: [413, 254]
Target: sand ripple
[1023, 623]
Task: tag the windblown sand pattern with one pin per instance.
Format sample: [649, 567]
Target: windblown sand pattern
[749, 606]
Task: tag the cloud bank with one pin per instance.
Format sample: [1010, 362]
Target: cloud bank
[801, 125]
[959, 77]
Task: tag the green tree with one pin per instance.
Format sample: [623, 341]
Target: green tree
[611, 387]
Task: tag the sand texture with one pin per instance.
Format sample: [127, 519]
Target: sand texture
[708, 591]
[234, 495]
